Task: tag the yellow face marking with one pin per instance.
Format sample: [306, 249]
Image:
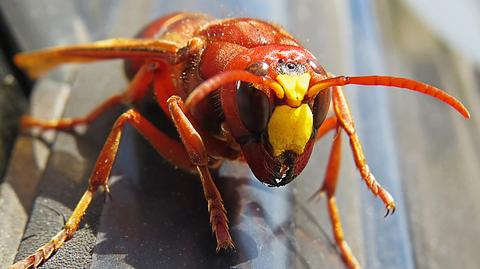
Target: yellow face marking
[290, 128]
[295, 87]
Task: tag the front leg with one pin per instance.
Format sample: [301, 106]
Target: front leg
[346, 121]
[198, 155]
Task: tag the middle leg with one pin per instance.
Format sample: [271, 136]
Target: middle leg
[167, 147]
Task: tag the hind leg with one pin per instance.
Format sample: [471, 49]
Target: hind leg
[136, 90]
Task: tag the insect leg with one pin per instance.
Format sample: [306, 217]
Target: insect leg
[329, 124]
[345, 250]
[27, 122]
[198, 155]
[169, 148]
[329, 187]
[346, 121]
[136, 90]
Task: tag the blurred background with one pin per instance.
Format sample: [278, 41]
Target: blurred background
[421, 150]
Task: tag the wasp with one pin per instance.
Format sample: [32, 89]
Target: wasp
[273, 99]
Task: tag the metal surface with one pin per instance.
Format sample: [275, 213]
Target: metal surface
[438, 151]
[158, 217]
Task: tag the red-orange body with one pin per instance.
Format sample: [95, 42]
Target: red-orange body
[234, 89]
[230, 44]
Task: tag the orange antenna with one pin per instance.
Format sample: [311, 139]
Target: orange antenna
[213, 83]
[394, 82]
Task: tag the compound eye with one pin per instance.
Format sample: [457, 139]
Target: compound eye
[320, 108]
[259, 68]
[316, 67]
[254, 107]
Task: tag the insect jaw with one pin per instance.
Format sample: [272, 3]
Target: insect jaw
[284, 174]
[274, 171]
